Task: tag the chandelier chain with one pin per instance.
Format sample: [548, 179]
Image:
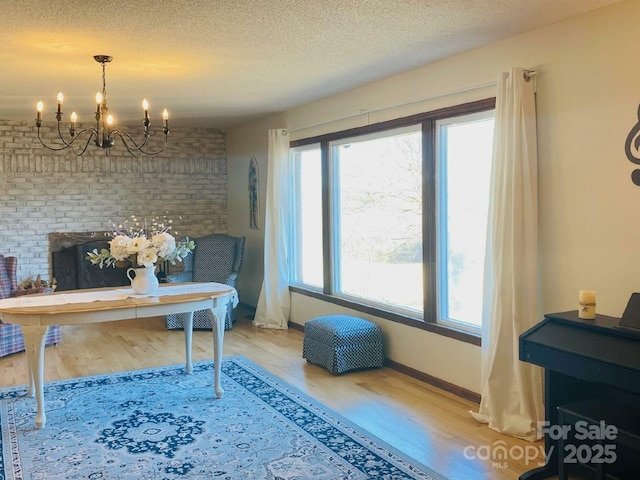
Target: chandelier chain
[104, 83]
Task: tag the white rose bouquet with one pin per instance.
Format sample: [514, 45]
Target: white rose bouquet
[142, 245]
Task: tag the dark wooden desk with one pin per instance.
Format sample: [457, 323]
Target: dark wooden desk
[583, 359]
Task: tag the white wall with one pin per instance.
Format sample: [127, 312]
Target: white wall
[588, 87]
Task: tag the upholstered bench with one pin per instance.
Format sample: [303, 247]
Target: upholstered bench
[342, 342]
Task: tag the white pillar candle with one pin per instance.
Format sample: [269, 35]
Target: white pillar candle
[587, 304]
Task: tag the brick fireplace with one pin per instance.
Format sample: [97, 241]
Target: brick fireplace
[45, 192]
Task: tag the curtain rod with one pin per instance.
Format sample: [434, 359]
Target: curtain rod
[397, 105]
[528, 75]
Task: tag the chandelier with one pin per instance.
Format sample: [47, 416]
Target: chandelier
[103, 135]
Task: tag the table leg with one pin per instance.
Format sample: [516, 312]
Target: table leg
[34, 340]
[187, 322]
[217, 322]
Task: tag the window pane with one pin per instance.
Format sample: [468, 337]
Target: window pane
[465, 146]
[378, 222]
[307, 208]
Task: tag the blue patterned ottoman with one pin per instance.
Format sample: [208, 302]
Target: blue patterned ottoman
[342, 342]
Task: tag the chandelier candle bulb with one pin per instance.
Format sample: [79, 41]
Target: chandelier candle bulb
[74, 119]
[165, 119]
[587, 304]
[59, 113]
[39, 107]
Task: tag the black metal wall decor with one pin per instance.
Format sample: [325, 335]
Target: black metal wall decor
[254, 194]
[632, 149]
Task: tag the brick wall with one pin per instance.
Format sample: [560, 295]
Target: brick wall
[43, 191]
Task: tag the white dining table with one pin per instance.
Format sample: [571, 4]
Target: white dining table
[35, 313]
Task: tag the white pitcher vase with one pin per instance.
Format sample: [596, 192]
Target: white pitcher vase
[144, 282]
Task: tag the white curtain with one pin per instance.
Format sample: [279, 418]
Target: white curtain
[274, 302]
[512, 390]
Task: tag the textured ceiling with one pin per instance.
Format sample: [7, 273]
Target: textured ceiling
[220, 62]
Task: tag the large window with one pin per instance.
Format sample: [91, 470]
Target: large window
[377, 221]
[463, 152]
[391, 218]
[307, 188]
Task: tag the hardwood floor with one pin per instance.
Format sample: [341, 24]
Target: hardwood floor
[428, 424]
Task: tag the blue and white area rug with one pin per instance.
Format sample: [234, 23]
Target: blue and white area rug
[162, 424]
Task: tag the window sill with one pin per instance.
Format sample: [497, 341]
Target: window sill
[456, 334]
